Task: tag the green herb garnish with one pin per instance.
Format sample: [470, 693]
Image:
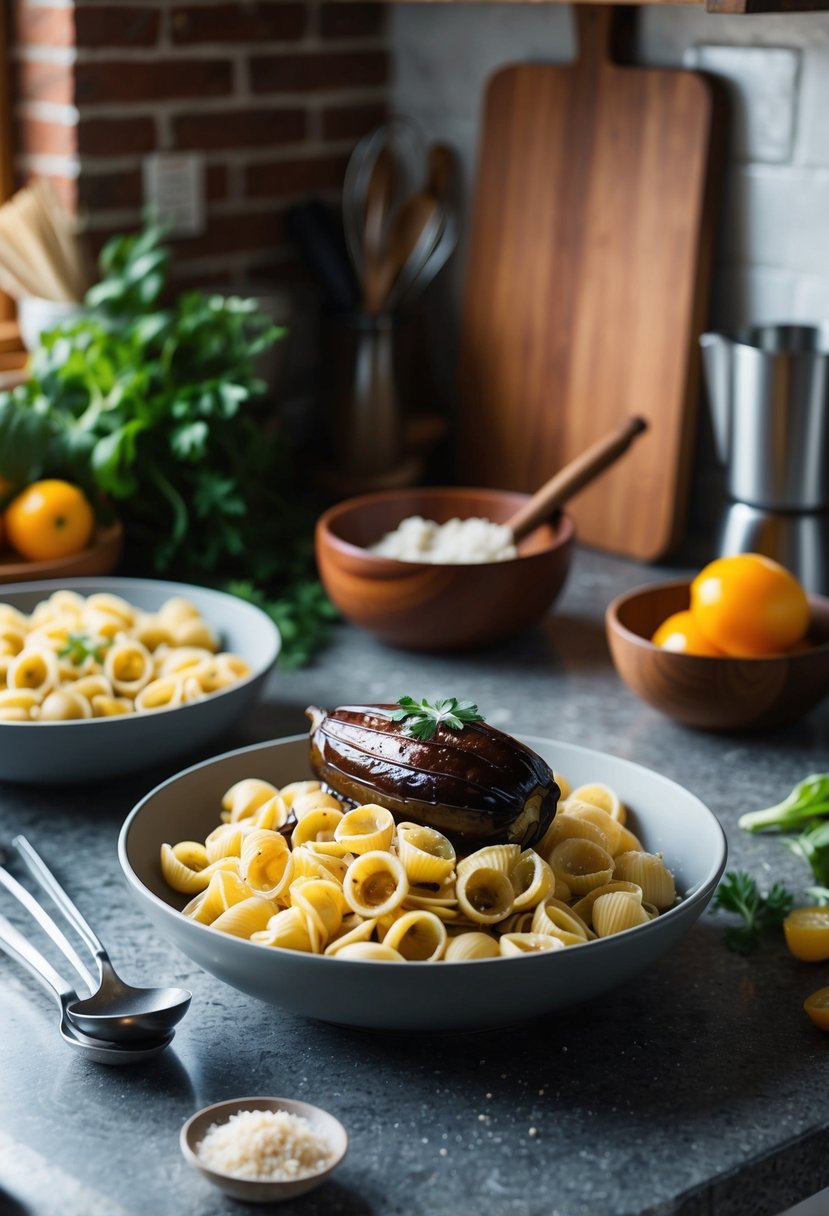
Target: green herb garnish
[80, 647]
[808, 800]
[813, 846]
[427, 717]
[739, 893]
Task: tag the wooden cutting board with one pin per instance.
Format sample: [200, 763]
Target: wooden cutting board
[587, 282]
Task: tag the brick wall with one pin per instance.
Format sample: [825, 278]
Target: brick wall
[274, 93]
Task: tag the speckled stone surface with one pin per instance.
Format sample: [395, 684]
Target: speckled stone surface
[700, 1089]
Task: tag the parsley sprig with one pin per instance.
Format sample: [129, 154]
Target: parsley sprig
[426, 716]
[80, 646]
[738, 892]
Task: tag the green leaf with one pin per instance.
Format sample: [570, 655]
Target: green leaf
[808, 799]
[426, 716]
[738, 893]
[189, 441]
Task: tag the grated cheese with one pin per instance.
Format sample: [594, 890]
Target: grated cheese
[265, 1145]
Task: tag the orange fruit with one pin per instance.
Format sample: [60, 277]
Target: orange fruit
[749, 605]
[807, 933]
[817, 1007]
[49, 519]
[681, 634]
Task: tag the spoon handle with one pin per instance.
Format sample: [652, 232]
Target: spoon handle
[574, 477]
[17, 947]
[41, 873]
[46, 923]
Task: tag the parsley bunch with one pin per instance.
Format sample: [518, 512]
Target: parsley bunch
[426, 716]
[738, 892]
[150, 407]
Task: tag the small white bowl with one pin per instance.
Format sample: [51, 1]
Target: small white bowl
[36, 316]
[252, 1190]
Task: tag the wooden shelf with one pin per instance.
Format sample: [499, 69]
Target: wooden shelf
[711, 6]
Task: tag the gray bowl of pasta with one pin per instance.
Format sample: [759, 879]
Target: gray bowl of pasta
[101, 677]
[311, 952]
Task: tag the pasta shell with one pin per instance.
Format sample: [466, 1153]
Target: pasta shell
[182, 878]
[289, 930]
[105, 601]
[223, 891]
[34, 670]
[226, 840]
[603, 797]
[11, 713]
[567, 826]
[195, 633]
[166, 692]
[370, 952]
[427, 855]
[323, 903]
[12, 639]
[151, 632]
[64, 704]
[191, 853]
[313, 800]
[617, 911]
[471, 945]
[246, 796]
[246, 918]
[309, 864]
[375, 883]
[581, 864]
[610, 828]
[555, 919]
[265, 862]
[517, 922]
[128, 666]
[649, 872]
[584, 906]
[500, 857]
[319, 825]
[359, 932]
[485, 895]
[532, 880]
[272, 814]
[176, 610]
[182, 659]
[366, 829]
[628, 842]
[418, 936]
[111, 707]
[294, 788]
[513, 944]
[93, 686]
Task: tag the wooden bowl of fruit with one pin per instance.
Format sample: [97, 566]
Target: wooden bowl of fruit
[48, 530]
[739, 647]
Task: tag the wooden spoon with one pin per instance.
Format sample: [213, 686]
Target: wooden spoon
[378, 201]
[574, 477]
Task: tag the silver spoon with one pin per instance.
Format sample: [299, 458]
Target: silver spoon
[115, 1010]
[100, 1051]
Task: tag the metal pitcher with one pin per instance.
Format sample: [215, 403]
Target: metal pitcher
[768, 390]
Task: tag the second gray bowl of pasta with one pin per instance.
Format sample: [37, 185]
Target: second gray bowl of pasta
[100, 677]
[301, 946]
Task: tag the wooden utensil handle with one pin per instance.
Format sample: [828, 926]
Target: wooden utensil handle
[574, 477]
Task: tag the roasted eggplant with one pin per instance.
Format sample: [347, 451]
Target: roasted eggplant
[476, 785]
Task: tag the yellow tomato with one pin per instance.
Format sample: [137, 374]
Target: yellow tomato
[807, 933]
[49, 519]
[683, 635]
[817, 1007]
[749, 605]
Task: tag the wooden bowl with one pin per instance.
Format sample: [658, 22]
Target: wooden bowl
[421, 606]
[100, 556]
[714, 693]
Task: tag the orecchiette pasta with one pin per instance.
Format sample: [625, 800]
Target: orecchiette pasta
[97, 657]
[298, 869]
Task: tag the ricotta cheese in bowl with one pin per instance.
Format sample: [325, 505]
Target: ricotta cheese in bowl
[457, 542]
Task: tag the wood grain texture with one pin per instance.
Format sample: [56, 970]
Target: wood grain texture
[422, 606]
[714, 693]
[6, 158]
[588, 267]
[100, 557]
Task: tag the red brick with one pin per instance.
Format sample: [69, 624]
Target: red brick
[314, 72]
[34, 25]
[281, 179]
[117, 25]
[250, 22]
[45, 82]
[352, 122]
[216, 182]
[45, 138]
[340, 19]
[239, 129]
[115, 136]
[234, 234]
[160, 80]
[111, 191]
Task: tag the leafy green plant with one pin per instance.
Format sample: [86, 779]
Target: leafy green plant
[808, 800]
[149, 407]
[738, 892]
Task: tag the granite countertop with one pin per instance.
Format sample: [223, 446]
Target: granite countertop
[698, 1089]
